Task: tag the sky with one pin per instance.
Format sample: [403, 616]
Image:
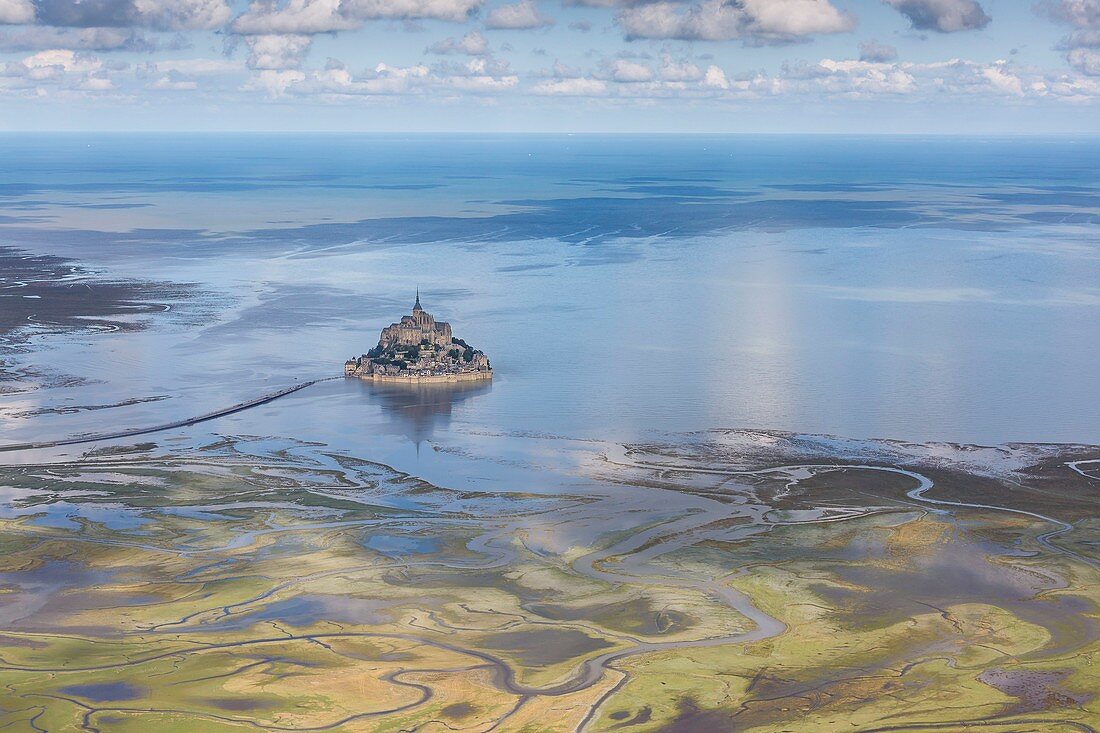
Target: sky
[760, 66]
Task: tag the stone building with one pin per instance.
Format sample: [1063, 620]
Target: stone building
[413, 330]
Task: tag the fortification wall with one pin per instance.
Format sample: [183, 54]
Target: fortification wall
[428, 379]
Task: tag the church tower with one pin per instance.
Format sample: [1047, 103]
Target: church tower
[422, 318]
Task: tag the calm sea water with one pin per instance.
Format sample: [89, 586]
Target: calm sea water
[912, 288]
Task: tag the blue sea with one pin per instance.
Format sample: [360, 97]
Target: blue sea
[624, 287]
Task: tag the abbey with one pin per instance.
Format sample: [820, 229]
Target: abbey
[414, 329]
[419, 348]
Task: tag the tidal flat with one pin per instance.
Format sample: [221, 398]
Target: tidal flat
[725, 581]
[598, 539]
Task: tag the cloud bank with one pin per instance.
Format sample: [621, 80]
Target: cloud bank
[942, 16]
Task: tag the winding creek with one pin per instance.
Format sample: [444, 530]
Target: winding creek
[628, 560]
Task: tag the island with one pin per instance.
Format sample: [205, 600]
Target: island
[420, 349]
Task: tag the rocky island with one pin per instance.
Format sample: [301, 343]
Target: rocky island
[420, 349]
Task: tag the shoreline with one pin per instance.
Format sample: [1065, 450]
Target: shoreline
[428, 379]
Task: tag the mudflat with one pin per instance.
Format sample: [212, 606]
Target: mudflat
[724, 581]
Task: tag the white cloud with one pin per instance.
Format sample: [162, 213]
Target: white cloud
[582, 87]
[475, 76]
[278, 62]
[1066, 88]
[277, 51]
[162, 15]
[297, 17]
[877, 52]
[170, 83]
[957, 78]
[754, 21]
[452, 10]
[16, 12]
[944, 16]
[564, 71]
[630, 72]
[471, 44]
[797, 18]
[182, 14]
[860, 78]
[1002, 79]
[715, 78]
[672, 71]
[1083, 38]
[35, 38]
[1085, 60]
[309, 17]
[383, 79]
[1081, 45]
[626, 79]
[61, 68]
[179, 75]
[96, 84]
[62, 60]
[480, 74]
[276, 83]
[523, 15]
[480, 82]
[1078, 13]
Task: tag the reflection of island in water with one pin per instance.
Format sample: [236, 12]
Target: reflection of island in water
[418, 409]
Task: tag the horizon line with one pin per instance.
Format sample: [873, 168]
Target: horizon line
[624, 133]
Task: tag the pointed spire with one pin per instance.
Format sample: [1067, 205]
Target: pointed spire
[416, 306]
